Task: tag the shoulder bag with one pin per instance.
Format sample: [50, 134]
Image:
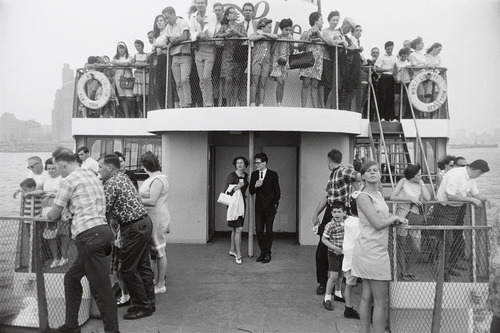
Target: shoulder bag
[301, 60]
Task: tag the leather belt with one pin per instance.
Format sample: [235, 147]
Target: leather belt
[136, 220]
[182, 54]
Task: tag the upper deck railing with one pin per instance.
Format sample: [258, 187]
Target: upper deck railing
[337, 78]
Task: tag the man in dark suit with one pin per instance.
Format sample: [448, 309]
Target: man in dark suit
[264, 183]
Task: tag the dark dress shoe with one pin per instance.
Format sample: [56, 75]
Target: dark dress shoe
[338, 299]
[139, 313]
[328, 305]
[135, 309]
[351, 313]
[321, 289]
[260, 258]
[266, 259]
[66, 329]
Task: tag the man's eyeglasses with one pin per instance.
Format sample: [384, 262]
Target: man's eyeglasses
[461, 165]
[32, 166]
[258, 162]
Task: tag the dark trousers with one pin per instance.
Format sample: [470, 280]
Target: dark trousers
[93, 246]
[161, 79]
[322, 251]
[264, 219]
[453, 216]
[386, 97]
[135, 264]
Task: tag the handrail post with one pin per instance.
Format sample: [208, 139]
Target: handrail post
[43, 316]
[438, 298]
[249, 57]
[251, 201]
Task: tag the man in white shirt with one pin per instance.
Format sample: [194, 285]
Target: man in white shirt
[458, 185]
[385, 96]
[203, 24]
[88, 163]
[355, 39]
[219, 47]
[36, 171]
[177, 31]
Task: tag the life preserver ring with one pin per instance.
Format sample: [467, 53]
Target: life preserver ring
[82, 93]
[441, 96]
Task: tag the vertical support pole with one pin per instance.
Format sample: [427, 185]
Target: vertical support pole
[144, 93]
[249, 58]
[251, 200]
[336, 75]
[43, 316]
[474, 249]
[438, 298]
[167, 70]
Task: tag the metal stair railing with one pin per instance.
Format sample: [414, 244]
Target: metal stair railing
[382, 139]
[420, 144]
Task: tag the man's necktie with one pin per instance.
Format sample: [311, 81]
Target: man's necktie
[262, 175]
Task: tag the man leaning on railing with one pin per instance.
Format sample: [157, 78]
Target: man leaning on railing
[458, 185]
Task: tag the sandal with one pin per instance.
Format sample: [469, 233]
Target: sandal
[231, 253]
[238, 260]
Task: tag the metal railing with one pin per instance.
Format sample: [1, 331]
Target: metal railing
[440, 269]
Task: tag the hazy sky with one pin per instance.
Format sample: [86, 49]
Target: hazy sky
[38, 36]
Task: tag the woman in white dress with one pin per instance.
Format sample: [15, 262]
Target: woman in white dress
[154, 195]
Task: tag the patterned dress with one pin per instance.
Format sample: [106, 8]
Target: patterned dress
[313, 72]
[229, 67]
[282, 50]
[141, 75]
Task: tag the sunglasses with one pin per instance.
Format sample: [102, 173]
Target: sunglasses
[32, 166]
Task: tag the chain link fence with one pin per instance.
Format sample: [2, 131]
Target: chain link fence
[440, 270]
[36, 253]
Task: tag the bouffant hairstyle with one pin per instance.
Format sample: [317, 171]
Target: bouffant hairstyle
[226, 13]
[286, 23]
[332, 14]
[414, 42]
[445, 161]
[243, 158]
[367, 165]
[48, 161]
[140, 42]
[313, 17]
[118, 46]
[156, 30]
[412, 170]
[150, 162]
[433, 46]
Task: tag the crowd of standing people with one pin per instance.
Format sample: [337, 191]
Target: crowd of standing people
[202, 60]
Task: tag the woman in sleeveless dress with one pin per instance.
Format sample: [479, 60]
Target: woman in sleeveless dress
[154, 195]
[239, 178]
[371, 258]
[412, 191]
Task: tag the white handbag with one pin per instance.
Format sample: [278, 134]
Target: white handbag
[225, 199]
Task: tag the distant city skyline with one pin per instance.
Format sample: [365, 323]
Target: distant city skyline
[31, 72]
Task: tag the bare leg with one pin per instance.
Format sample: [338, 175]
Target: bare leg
[306, 87]
[262, 86]
[321, 97]
[280, 90]
[332, 277]
[255, 80]
[365, 306]
[237, 241]
[314, 93]
[162, 271]
[233, 246]
[64, 246]
[338, 282]
[380, 291]
[53, 248]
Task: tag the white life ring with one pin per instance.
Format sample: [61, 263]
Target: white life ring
[441, 96]
[82, 93]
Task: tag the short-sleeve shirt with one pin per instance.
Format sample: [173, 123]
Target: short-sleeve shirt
[351, 233]
[81, 192]
[176, 30]
[39, 179]
[386, 62]
[334, 232]
[31, 206]
[90, 164]
[123, 203]
[456, 182]
[338, 187]
[403, 75]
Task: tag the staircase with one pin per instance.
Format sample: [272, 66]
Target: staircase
[395, 149]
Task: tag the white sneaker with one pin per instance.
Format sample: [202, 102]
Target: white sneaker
[160, 290]
[54, 264]
[63, 262]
